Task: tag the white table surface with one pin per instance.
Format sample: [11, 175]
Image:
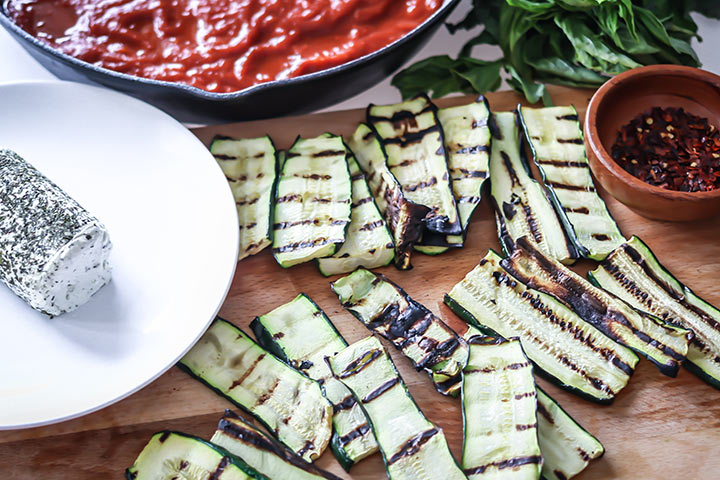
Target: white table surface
[17, 65]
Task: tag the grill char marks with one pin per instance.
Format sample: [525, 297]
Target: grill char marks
[579, 210]
[413, 446]
[304, 244]
[379, 391]
[536, 303]
[475, 149]
[220, 468]
[359, 364]
[576, 188]
[353, 434]
[234, 427]
[509, 463]
[644, 298]
[417, 156]
[406, 327]
[575, 141]
[563, 163]
[246, 373]
[586, 302]
[410, 138]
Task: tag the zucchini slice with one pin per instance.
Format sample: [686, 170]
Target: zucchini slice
[633, 273]
[663, 344]
[566, 447]
[385, 308]
[499, 405]
[368, 242]
[522, 207]
[262, 452]
[412, 447]
[285, 332]
[556, 141]
[416, 156]
[250, 166]
[288, 403]
[568, 350]
[467, 141]
[403, 217]
[312, 201]
[178, 455]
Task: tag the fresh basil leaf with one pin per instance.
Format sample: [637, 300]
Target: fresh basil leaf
[590, 51]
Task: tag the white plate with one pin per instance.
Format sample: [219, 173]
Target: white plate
[173, 225]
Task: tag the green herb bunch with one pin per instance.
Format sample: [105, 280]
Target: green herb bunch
[578, 43]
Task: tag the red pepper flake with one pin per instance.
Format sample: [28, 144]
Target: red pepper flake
[670, 148]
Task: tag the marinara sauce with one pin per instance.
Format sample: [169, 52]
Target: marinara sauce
[218, 45]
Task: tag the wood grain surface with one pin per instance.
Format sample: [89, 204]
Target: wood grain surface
[658, 427]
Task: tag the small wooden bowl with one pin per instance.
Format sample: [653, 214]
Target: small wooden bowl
[624, 97]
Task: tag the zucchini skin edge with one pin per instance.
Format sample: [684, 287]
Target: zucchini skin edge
[227, 397]
[564, 220]
[358, 400]
[697, 371]
[239, 462]
[470, 318]
[264, 339]
[279, 169]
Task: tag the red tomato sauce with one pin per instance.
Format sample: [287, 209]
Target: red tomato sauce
[218, 45]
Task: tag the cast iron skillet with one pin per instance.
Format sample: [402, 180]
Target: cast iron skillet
[272, 99]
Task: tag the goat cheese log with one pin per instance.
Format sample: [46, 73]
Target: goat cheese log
[53, 253]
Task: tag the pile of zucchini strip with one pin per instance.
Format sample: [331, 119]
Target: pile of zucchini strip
[633, 273]
[178, 455]
[416, 156]
[499, 412]
[384, 308]
[566, 447]
[404, 217]
[556, 141]
[522, 207]
[300, 333]
[663, 344]
[412, 447]
[287, 403]
[250, 166]
[566, 349]
[467, 141]
[368, 242]
[312, 200]
[262, 452]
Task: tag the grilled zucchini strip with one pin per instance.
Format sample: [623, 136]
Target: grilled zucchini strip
[663, 344]
[404, 218]
[633, 273]
[302, 335]
[288, 403]
[368, 242]
[568, 350]
[499, 412]
[178, 455]
[411, 446]
[250, 166]
[416, 156]
[312, 201]
[387, 310]
[262, 452]
[558, 147]
[566, 447]
[467, 141]
[522, 207]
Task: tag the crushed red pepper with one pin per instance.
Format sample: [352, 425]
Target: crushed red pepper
[672, 149]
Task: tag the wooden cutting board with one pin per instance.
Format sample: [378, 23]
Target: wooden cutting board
[658, 427]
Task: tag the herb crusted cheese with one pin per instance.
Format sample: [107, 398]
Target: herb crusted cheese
[53, 252]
